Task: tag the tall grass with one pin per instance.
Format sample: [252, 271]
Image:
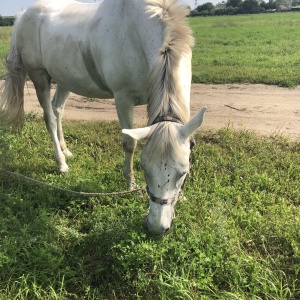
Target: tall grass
[236, 236]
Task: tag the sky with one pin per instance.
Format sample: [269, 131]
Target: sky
[12, 7]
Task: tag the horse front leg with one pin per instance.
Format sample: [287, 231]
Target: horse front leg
[129, 147]
[125, 115]
[58, 104]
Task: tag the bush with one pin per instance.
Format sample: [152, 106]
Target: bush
[7, 21]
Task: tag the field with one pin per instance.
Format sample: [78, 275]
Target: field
[237, 230]
[236, 237]
[5, 35]
[255, 49]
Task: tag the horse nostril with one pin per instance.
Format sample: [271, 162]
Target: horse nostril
[166, 230]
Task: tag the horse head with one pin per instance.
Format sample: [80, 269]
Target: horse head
[165, 162]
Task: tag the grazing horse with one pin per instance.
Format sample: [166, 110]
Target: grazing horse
[136, 51]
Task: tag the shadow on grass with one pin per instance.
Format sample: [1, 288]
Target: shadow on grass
[54, 243]
[66, 243]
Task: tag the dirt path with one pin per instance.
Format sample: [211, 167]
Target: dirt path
[265, 109]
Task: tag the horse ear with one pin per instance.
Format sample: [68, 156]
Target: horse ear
[138, 133]
[189, 128]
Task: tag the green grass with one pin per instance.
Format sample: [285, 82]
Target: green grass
[5, 35]
[236, 237]
[261, 48]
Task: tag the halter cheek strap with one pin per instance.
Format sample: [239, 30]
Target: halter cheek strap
[170, 200]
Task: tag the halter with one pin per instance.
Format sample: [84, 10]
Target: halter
[166, 119]
[173, 199]
[161, 201]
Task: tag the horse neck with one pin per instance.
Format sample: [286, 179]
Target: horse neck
[169, 88]
[168, 84]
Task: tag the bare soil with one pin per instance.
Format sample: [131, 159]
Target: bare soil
[265, 109]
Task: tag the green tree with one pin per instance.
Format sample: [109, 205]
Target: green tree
[271, 5]
[206, 6]
[9, 21]
[233, 3]
[249, 7]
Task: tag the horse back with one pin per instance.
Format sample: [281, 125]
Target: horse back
[95, 50]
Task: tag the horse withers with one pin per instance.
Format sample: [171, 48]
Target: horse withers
[136, 51]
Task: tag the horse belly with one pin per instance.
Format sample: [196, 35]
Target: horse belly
[67, 66]
[78, 82]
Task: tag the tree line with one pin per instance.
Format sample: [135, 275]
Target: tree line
[234, 7]
[7, 21]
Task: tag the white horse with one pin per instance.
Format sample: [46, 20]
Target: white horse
[137, 51]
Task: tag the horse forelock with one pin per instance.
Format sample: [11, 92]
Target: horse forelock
[165, 95]
[163, 143]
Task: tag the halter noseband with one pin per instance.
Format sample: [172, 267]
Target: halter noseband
[173, 199]
[161, 201]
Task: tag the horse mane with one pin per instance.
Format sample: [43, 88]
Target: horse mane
[164, 94]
